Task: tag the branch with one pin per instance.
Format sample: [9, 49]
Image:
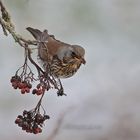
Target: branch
[7, 25]
[24, 77]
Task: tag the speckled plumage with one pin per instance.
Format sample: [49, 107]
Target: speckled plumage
[64, 59]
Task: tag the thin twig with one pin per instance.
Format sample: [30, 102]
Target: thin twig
[33, 62]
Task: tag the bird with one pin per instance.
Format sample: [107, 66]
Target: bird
[64, 59]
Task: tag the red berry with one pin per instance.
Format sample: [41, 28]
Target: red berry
[17, 121]
[23, 128]
[39, 130]
[20, 85]
[23, 91]
[27, 90]
[39, 92]
[30, 130]
[24, 84]
[15, 85]
[43, 90]
[12, 80]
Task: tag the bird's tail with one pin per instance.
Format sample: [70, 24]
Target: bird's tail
[38, 35]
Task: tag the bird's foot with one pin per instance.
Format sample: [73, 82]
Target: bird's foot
[60, 92]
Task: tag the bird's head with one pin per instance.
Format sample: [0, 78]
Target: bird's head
[78, 53]
[71, 53]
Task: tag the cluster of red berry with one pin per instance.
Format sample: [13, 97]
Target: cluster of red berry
[23, 85]
[31, 122]
[39, 90]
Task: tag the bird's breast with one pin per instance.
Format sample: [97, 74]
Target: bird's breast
[64, 70]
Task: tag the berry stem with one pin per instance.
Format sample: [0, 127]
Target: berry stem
[39, 103]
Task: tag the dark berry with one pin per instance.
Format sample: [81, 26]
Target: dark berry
[34, 91]
[20, 124]
[39, 118]
[20, 117]
[15, 85]
[24, 84]
[46, 117]
[38, 86]
[25, 112]
[17, 121]
[12, 80]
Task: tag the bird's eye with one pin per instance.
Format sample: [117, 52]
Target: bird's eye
[73, 54]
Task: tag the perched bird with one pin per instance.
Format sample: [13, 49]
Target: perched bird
[64, 59]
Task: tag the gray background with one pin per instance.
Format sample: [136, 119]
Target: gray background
[103, 97]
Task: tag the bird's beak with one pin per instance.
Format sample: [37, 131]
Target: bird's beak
[83, 61]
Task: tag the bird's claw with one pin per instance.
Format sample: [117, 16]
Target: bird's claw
[60, 92]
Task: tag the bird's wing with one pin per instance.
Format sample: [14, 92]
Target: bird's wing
[55, 47]
[35, 32]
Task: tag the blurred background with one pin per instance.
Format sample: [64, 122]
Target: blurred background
[103, 98]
